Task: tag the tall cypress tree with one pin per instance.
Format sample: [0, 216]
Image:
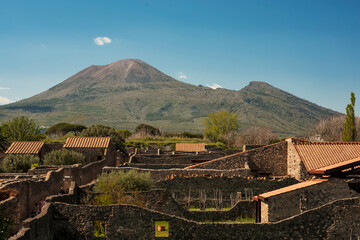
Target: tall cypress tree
[349, 133]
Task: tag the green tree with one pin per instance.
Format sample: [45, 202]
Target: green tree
[349, 132]
[21, 129]
[146, 130]
[64, 128]
[105, 131]
[220, 126]
[124, 133]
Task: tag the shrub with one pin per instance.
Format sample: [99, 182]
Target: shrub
[63, 157]
[122, 187]
[191, 135]
[19, 163]
[124, 133]
[220, 145]
[128, 181]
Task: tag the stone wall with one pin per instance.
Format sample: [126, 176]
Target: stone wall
[294, 202]
[31, 191]
[176, 158]
[296, 167]
[164, 174]
[182, 187]
[267, 160]
[96, 154]
[335, 220]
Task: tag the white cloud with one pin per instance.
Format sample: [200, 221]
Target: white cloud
[102, 40]
[4, 100]
[182, 75]
[4, 88]
[214, 86]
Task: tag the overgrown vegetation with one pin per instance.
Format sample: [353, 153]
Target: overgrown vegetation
[121, 187]
[19, 163]
[63, 157]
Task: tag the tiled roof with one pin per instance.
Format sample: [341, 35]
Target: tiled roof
[337, 167]
[25, 148]
[317, 155]
[190, 147]
[289, 189]
[87, 142]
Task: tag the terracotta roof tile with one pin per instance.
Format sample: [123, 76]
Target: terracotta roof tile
[337, 167]
[317, 155]
[190, 147]
[289, 188]
[25, 147]
[87, 142]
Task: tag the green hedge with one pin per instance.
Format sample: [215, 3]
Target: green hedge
[63, 157]
[19, 163]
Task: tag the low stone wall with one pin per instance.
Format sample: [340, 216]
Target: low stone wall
[164, 174]
[268, 160]
[33, 190]
[335, 220]
[157, 166]
[176, 158]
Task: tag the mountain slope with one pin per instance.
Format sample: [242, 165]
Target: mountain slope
[128, 92]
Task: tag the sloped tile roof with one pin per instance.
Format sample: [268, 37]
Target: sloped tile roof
[317, 155]
[289, 189]
[190, 147]
[25, 147]
[338, 167]
[87, 142]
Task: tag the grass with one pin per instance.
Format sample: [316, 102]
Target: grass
[209, 209]
[163, 233]
[237, 220]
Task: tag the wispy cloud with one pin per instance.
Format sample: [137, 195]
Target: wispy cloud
[4, 88]
[100, 41]
[182, 75]
[214, 86]
[4, 100]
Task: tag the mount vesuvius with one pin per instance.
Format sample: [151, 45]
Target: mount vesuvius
[128, 92]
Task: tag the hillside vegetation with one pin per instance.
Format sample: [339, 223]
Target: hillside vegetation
[129, 92]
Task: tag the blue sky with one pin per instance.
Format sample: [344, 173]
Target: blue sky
[308, 48]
